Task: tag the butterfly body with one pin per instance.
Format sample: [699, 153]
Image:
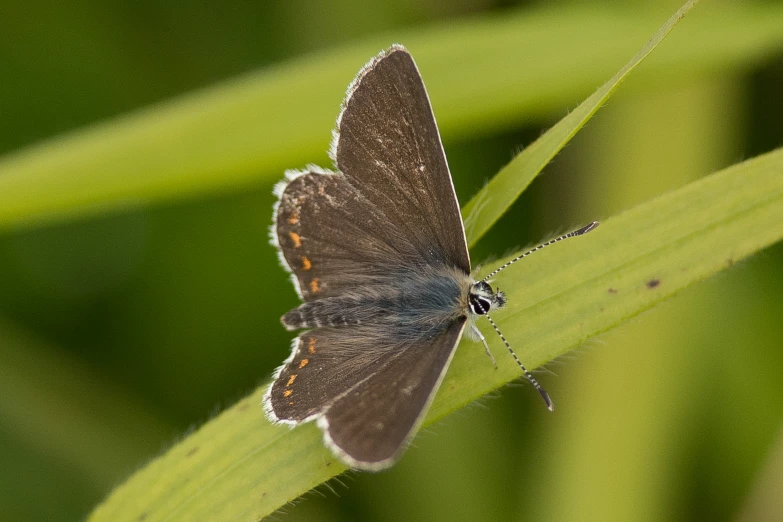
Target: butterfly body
[377, 253]
[407, 304]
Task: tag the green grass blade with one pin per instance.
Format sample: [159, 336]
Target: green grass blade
[53, 405]
[514, 178]
[481, 73]
[239, 467]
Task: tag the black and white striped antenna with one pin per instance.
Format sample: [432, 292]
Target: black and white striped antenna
[544, 395]
[583, 230]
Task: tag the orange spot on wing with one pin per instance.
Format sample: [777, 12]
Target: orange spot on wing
[291, 380]
[303, 363]
[287, 393]
[306, 264]
[311, 346]
[294, 219]
[314, 288]
[296, 239]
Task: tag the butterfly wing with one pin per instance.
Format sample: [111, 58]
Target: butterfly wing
[333, 238]
[387, 142]
[391, 207]
[324, 364]
[368, 398]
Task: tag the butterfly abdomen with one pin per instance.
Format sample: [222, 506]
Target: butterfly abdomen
[333, 311]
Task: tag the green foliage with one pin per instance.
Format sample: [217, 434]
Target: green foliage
[246, 131]
[232, 468]
[136, 239]
[509, 183]
[239, 467]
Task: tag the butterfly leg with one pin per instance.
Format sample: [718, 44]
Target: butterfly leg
[481, 338]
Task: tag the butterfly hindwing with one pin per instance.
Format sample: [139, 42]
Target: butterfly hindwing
[369, 398]
[324, 363]
[333, 238]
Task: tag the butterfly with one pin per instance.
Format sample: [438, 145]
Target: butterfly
[378, 255]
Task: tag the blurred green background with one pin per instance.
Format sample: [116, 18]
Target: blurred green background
[121, 331]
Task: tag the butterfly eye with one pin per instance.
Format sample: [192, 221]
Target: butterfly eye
[479, 305]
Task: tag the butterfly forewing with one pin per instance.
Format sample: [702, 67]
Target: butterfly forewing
[370, 425]
[388, 144]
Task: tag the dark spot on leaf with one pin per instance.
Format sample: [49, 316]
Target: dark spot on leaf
[612, 290]
[191, 451]
[143, 516]
[652, 283]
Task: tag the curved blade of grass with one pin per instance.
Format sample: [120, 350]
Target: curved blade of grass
[239, 467]
[514, 178]
[248, 130]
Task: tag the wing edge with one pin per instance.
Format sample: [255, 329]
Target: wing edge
[352, 87]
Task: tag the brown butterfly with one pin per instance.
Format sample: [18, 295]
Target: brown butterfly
[378, 254]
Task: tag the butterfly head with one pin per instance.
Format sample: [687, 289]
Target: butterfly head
[482, 299]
